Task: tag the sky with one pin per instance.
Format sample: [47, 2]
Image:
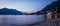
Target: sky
[25, 5]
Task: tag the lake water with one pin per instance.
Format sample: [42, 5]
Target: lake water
[7, 20]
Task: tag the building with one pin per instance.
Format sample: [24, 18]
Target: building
[53, 10]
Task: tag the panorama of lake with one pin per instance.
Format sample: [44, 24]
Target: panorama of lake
[9, 20]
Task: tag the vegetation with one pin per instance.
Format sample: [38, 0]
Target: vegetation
[53, 7]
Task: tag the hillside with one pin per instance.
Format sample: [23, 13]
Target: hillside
[7, 11]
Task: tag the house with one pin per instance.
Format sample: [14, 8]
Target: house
[52, 10]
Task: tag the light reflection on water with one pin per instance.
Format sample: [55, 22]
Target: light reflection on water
[21, 19]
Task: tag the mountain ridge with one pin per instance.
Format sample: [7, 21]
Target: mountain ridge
[7, 11]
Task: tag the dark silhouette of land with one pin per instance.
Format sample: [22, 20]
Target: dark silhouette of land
[53, 7]
[6, 11]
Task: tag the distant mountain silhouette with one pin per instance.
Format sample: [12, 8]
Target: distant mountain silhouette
[6, 11]
[53, 6]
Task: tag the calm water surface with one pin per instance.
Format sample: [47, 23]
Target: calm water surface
[21, 19]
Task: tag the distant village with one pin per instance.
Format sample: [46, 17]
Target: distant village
[52, 11]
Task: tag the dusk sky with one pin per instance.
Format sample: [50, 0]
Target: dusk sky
[25, 5]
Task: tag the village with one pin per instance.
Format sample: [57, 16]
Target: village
[53, 14]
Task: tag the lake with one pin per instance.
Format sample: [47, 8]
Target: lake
[7, 20]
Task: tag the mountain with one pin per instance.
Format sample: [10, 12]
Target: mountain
[53, 6]
[7, 11]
